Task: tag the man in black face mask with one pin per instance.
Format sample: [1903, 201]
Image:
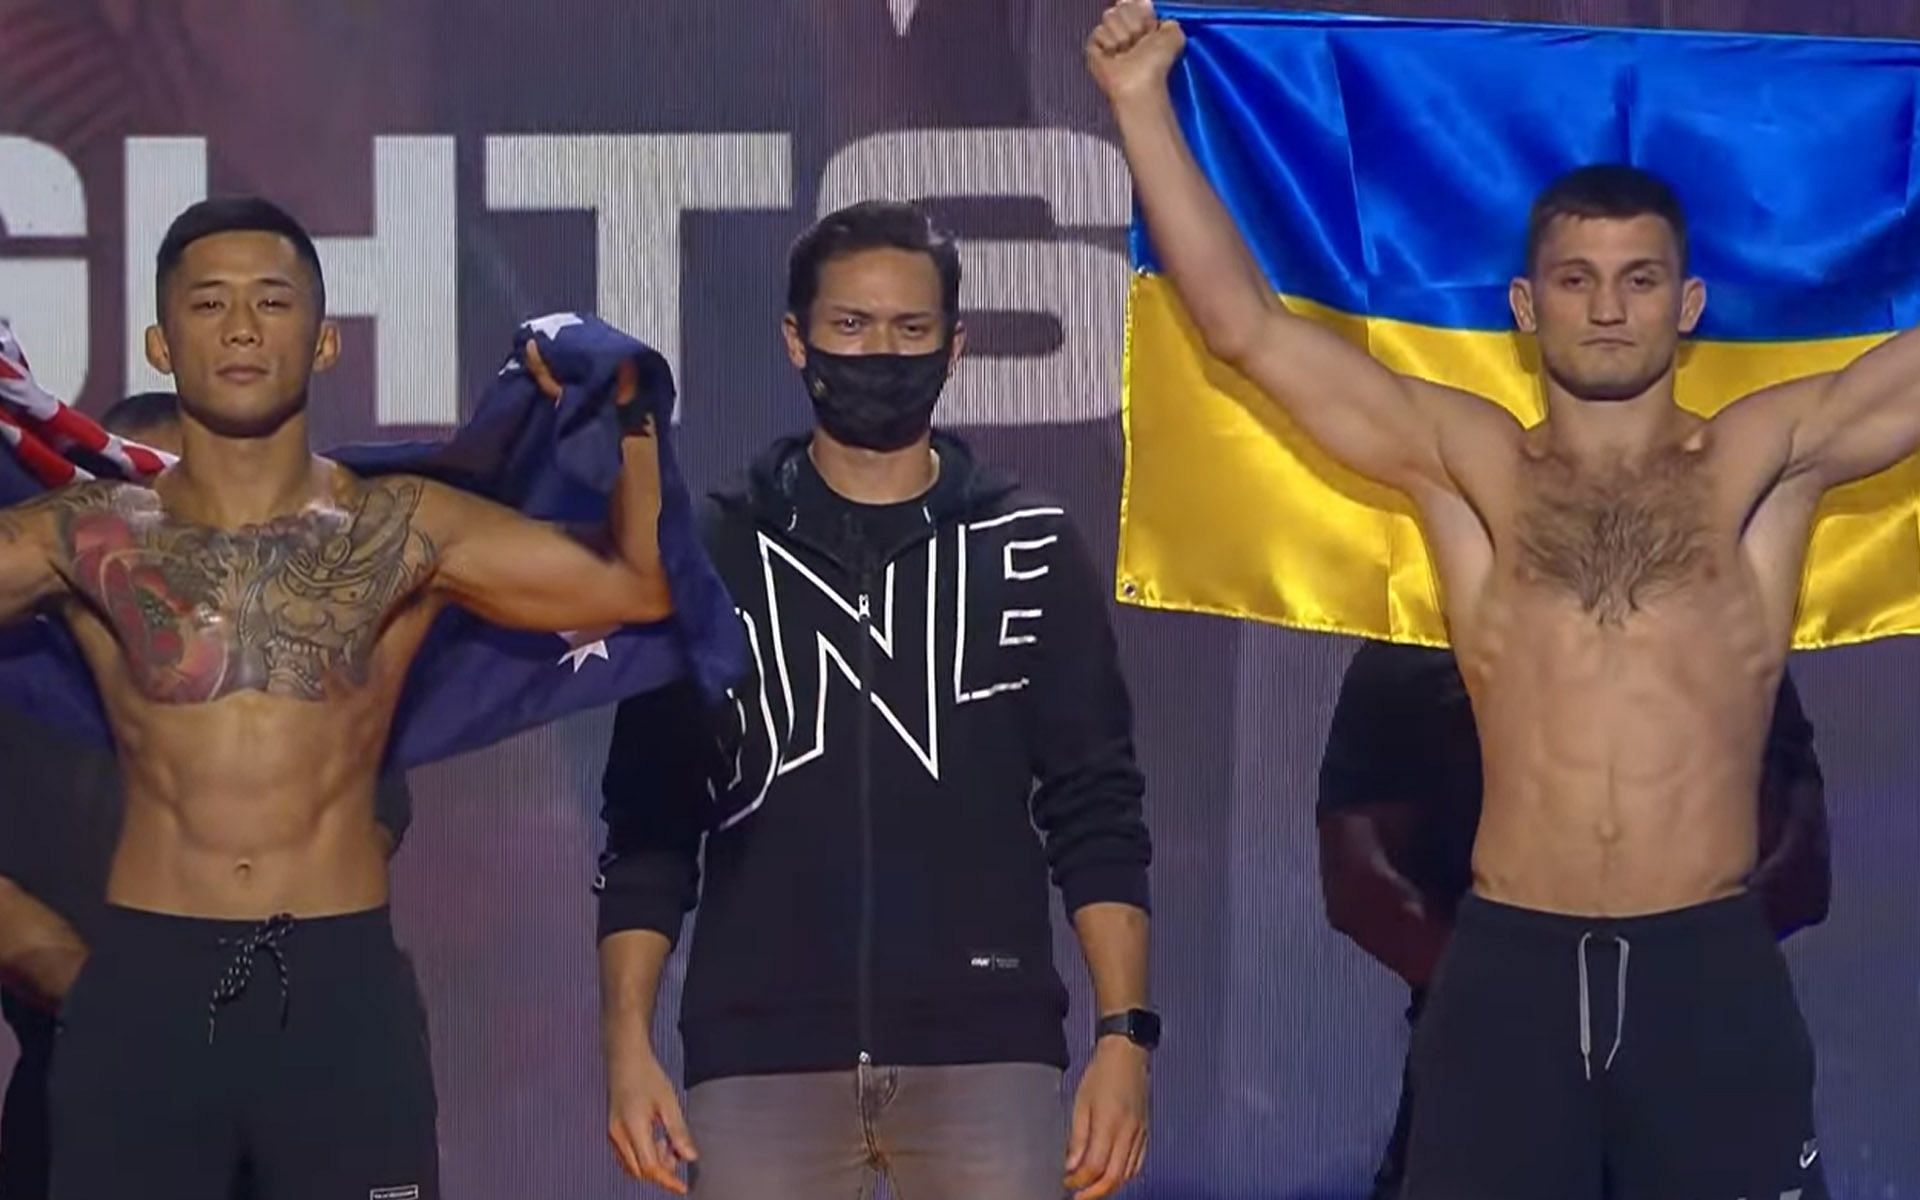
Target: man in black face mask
[871, 987]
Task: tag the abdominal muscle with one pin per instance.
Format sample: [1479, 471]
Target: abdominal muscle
[1622, 761]
[252, 804]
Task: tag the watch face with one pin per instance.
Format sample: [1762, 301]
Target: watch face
[1141, 1026]
[1144, 1027]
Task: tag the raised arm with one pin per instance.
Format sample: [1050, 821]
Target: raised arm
[1852, 423]
[1786, 446]
[1383, 425]
[529, 574]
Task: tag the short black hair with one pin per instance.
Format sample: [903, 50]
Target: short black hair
[871, 225]
[142, 412]
[1606, 190]
[234, 214]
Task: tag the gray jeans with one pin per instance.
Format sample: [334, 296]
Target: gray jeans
[993, 1131]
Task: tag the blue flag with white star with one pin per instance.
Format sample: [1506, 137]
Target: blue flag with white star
[473, 683]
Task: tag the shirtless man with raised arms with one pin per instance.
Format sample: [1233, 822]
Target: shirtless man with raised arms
[1620, 584]
[249, 620]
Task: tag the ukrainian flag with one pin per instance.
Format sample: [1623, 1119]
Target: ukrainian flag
[1382, 171]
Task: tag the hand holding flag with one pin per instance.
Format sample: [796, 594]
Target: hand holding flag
[1131, 50]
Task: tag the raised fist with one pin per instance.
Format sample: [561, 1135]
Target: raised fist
[1131, 49]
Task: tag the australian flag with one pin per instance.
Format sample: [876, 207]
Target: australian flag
[472, 683]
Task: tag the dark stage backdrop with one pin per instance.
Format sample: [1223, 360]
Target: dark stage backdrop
[476, 161]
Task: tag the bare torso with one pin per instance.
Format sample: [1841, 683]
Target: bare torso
[249, 677]
[1622, 650]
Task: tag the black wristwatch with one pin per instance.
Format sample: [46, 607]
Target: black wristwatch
[1141, 1026]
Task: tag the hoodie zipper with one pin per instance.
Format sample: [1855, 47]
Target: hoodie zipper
[871, 559]
[865, 795]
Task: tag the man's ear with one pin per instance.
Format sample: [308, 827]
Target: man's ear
[159, 354]
[1520, 300]
[795, 340]
[1693, 303]
[326, 347]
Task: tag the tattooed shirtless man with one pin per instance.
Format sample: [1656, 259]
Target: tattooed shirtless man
[1620, 582]
[249, 621]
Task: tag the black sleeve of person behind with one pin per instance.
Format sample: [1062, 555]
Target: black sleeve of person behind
[670, 754]
[1088, 798]
[1791, 762]
[665, 752]
[393, 803]
[1790, 750]
[1402, 731]
[59, 817]
[1403, 734]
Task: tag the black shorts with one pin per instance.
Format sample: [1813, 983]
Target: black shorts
[182, 1061]
[1660, 1058]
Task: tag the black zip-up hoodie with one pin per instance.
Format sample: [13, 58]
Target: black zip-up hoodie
[875, 889]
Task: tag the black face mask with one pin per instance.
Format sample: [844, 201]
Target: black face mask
[875, 401]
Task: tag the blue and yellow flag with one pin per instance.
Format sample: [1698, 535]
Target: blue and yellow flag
[1382, 171]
